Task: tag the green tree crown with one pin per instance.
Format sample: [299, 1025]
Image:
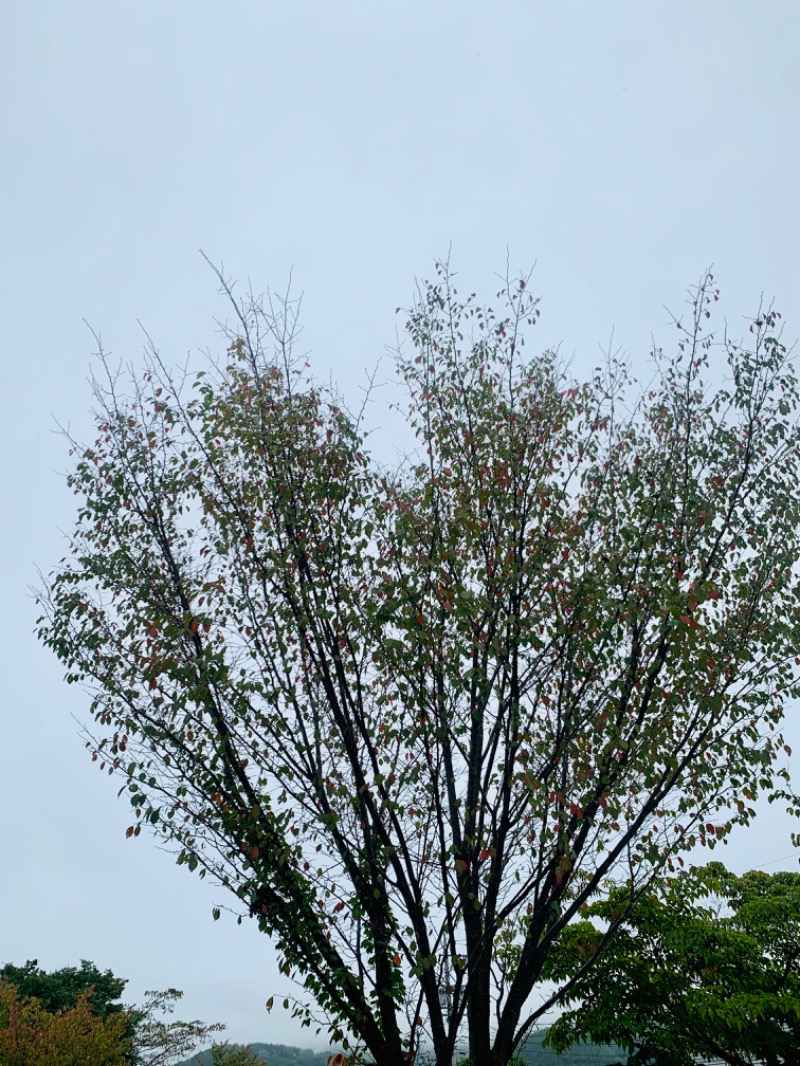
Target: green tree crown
[414, 719]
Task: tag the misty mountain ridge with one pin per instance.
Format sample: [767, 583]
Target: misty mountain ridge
[533, 1054]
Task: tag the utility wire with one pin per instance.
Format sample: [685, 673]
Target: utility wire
[771, 862]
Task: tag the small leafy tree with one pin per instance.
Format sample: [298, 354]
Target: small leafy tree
[234, 1055]
[30, 1035]
[160, 1040]
[414, 719]
[707, 966]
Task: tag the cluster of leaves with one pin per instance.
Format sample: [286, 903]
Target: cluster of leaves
[706, 967]
[61, 989]
[31, 1035]
[415, 719]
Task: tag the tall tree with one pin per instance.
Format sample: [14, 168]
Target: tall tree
[414, 719]
[706, 967]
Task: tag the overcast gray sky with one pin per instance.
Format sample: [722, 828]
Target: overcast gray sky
[624, 146]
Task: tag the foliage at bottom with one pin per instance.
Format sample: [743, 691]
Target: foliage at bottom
[706, 968]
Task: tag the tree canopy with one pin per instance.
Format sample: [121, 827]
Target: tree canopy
[706, 967]
[30, 1035]
[56, 1005]
[414, 717]
[61, 989]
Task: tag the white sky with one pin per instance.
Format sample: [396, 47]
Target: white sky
[623, 145]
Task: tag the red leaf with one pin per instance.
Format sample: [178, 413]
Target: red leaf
[129, 831]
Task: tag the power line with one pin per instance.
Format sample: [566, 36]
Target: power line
[771, 862]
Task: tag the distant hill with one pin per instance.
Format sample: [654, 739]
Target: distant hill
[532, 1053]
[273, 1054]
[579, 1055]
